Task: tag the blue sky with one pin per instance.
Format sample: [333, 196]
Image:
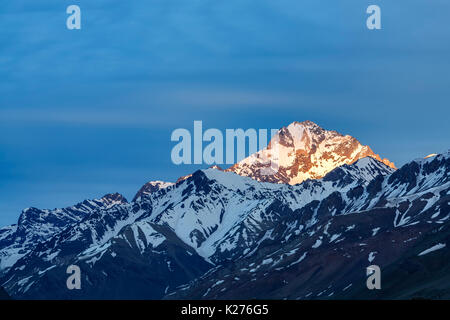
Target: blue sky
[88, 112]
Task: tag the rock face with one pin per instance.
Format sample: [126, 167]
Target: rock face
[302, 151]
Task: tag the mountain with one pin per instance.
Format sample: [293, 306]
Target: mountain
[302, 151]
[36, 226]
[399, 222]
[168, 237]
[216, 234]
[214, 225]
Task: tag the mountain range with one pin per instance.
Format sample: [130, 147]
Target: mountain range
[307, 232]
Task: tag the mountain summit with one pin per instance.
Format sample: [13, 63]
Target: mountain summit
[304, 150]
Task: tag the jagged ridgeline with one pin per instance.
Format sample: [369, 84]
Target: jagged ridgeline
[218, 234]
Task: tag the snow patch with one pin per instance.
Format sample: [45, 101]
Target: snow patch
[433, 248]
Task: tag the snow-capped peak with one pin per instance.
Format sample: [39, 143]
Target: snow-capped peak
[431, 155]
[113, 199]
[304, 150]
[151, 187]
